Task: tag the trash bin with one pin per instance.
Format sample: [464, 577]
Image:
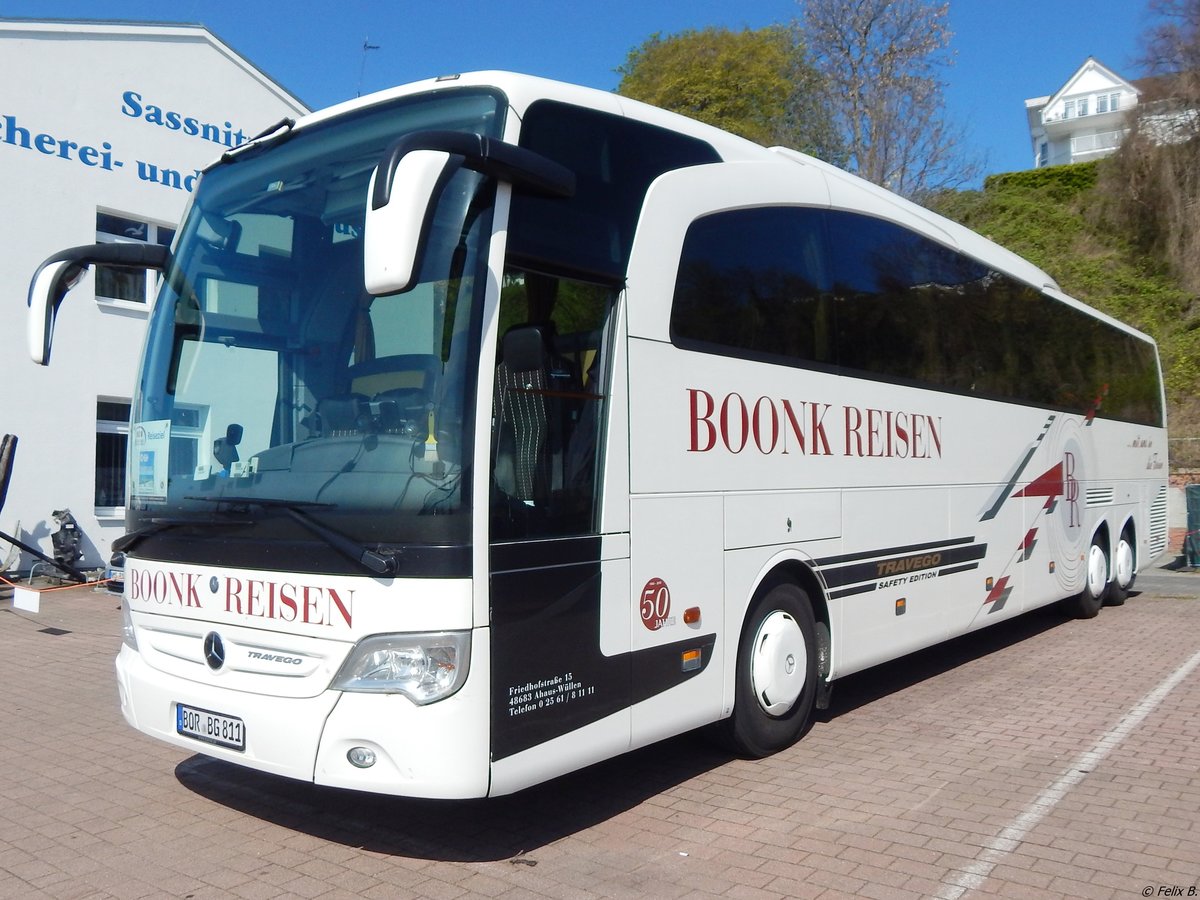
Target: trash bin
[1191, 544]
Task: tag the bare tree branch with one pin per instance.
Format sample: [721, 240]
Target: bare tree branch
[882, 61]
[1155, 177]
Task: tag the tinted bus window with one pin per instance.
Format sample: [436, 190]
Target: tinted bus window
[756, 280]
[831, 288]
[899, 299]
[614, 160]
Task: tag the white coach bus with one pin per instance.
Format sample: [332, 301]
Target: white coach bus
[489, 427]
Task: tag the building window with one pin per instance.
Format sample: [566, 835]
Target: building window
[127, 285]
[1101, 104]
[112, 444]
[1068, 109]
[1083, 106]
[1114, 102]
[1043, 155]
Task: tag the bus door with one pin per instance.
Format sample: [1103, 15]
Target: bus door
[560, 667]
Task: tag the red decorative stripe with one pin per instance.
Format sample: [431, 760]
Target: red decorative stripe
[998, 591]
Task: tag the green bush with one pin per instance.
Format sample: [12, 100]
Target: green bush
[1057, 181]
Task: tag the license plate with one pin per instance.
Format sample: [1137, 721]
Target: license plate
[210, 727]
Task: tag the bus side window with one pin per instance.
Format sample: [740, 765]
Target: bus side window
[754, 282]
[548, 406]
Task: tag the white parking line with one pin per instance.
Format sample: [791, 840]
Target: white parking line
[974, 875]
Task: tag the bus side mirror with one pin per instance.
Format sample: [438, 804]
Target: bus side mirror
[62, 271]
[407, 184]
[402, 196]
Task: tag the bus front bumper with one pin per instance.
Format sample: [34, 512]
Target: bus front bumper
[439, 751]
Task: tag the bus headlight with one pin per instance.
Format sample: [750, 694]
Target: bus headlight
[423, 667]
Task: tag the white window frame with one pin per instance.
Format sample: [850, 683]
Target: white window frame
[153, 230]
[111, 426]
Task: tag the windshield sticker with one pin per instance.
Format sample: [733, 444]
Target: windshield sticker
[151, 448]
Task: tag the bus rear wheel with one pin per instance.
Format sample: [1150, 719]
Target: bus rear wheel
[776, 683]
[1087, 602]
[1123, 571]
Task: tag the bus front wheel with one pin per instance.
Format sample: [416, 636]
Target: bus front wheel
[776, 684]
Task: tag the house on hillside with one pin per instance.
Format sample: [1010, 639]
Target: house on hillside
[1088, 116]
[1084, 119]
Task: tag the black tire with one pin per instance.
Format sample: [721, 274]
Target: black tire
[769, 716]
[1124, 564]
[1087, 602]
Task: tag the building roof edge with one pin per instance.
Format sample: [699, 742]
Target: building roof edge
[198, 29]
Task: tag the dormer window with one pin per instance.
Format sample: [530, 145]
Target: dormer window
[1068, 109]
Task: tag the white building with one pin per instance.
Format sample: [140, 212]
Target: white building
[103, 129]
[1084, 119]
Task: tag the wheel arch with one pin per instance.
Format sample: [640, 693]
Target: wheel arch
[801, 571]
[787, 565]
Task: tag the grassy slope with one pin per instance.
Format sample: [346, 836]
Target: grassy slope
[1055, 217]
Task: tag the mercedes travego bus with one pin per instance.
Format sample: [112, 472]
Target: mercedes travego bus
[489, 427]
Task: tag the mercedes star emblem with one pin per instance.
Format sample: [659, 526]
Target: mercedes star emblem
[214, 650]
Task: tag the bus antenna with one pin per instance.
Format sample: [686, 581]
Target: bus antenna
[367, 45]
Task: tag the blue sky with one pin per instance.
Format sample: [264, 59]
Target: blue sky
[1006, 50]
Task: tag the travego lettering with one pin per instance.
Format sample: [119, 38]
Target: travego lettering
[908, 564]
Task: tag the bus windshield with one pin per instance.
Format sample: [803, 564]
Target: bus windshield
[275, 391]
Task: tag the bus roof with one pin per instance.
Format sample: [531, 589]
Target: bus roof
[523, 90]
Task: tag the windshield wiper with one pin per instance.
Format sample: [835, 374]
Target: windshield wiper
[277, 133]
[379, 563]
[127, 542]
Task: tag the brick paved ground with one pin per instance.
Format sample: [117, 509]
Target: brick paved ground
[999, 764]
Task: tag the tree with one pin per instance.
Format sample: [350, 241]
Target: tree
[754, 83]
[1172, 47]
[881, 61]
[1154, 179]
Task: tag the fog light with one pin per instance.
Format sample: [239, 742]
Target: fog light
[361, 757]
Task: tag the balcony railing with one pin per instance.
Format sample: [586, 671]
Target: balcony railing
[1090, 114]
[1094, 143]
